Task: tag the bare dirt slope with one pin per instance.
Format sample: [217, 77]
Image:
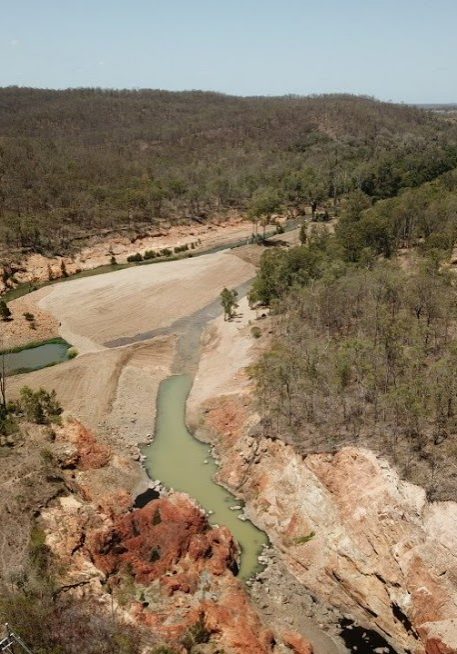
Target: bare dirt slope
[115, 388]
[96, 310]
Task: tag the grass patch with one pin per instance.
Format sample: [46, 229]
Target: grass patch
[25, 370]
[301, 540]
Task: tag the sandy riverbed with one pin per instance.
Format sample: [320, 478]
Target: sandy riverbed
[115, 388]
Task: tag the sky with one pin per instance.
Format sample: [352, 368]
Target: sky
[399, 50]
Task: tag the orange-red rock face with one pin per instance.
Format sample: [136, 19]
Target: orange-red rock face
[170, 541]
[176, 568]
[380, 551]
[297, 643]
[166, 532]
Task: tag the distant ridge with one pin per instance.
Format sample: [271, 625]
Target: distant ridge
[80, 160]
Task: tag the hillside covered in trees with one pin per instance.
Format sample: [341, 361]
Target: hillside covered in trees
[76, 161]
[364, 334]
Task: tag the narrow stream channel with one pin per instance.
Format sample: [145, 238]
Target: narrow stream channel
[185, 464]
[177, 458]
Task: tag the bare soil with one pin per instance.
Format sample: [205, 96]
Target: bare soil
[113, 389]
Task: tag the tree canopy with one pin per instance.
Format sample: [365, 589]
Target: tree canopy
[78, 161]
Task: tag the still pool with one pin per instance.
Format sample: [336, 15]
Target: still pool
[34, 358]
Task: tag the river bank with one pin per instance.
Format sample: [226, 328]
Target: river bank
[114, 388]
[114, 251]
[367, 547]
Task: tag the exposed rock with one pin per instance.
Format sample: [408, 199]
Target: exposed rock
[381, 553]
[152, 540]
[234, 619]
[81, 448]
[355, 535]
[297, 643]
[161, 566]
[440, 637]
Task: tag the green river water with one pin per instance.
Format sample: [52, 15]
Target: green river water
[34, 358]
[185, 464]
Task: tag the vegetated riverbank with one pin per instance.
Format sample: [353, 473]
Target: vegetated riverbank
[153, 245]
[355, 538]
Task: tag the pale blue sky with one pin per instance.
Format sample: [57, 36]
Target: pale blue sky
[401, 50]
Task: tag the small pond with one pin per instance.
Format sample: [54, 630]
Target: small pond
[34, 358]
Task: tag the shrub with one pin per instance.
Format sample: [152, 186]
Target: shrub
[134, 258]
[155, 555]
[5, 313]
[197, 634]
[39, 406]
[181, 248]
[72, 352]
[166, 252]
[28, 316]
[149, 254]
[301, 540]
[256, 331]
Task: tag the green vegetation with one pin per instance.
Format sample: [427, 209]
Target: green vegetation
[5, 313]
[135, 258]
[301, 540]
[229, 303]
[39, 406]
[256, 332]
[363, 351]
[149, 254]
[79, 161]
[196, 635]
[49, 624]
[424, 217]
[282, 269]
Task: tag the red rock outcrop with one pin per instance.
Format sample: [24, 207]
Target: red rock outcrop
[173, 568]
[89, 453]
[155, 539]
[440, 637]
[236, 623]
[297, 643]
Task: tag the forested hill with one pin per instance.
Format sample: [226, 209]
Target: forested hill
[78, 160]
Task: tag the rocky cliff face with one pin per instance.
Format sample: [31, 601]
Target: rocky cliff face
[354, 534]
[349, 529]
[160, 567]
